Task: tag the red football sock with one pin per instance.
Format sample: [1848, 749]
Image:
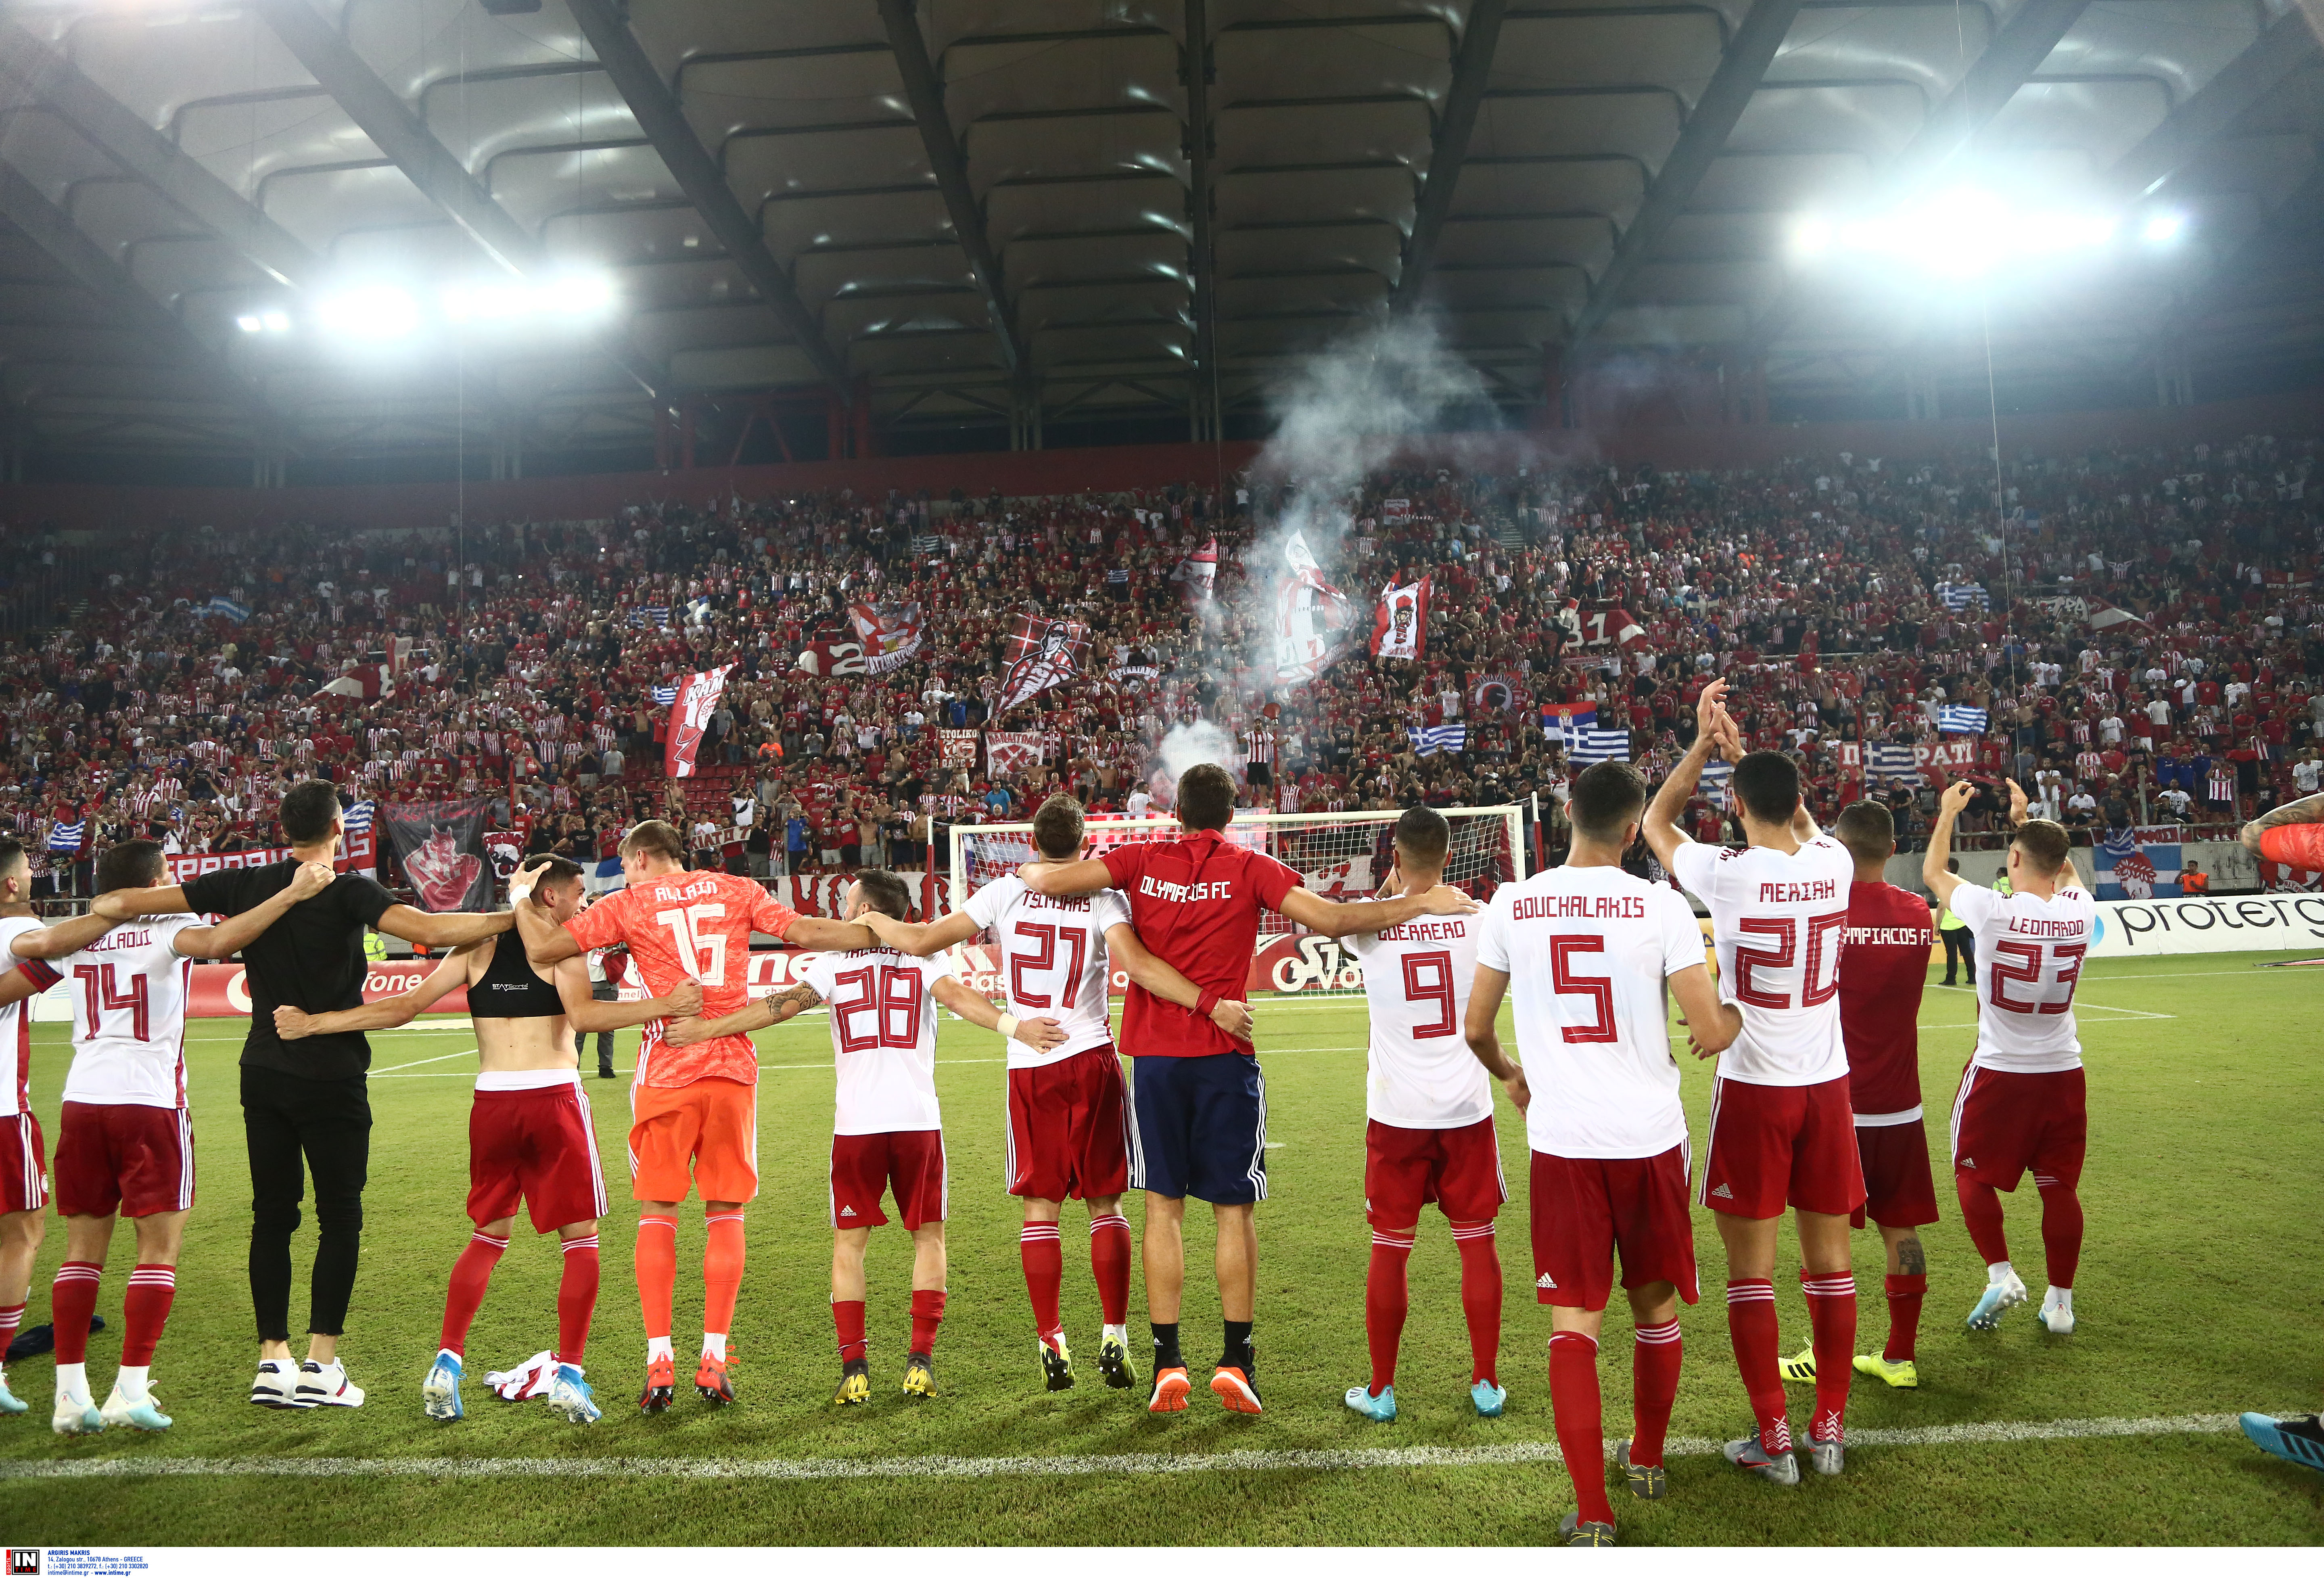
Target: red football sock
[657, 1269]
[1110, 1263]
[1581, 1431]
[10, 1317]
[1481, 1297]
[722, 1271]
[1654, 1387]
[927, 1314]
[847, 1316]
[2062, 1230]
[72, 1300]
[1832, 1321]
[1981, 1214]
[576, 1298]
[1751, 1327]
[464, 1294]
[1905, 1295]
[1043, 1259]
[1386, 1302]
[145, 1310]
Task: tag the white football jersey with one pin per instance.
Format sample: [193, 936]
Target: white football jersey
[128, 990]
[2029, 955]
[1778, 921]
[16, 1029]
[1053, 960]
[1586, 950]
[1416, 982]
[883, 1037]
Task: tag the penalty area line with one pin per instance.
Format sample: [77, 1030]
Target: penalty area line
[1289, 1460]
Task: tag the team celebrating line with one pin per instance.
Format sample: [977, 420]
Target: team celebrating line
[1810, 1014]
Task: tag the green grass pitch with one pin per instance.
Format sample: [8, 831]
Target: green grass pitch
[2195, 1297]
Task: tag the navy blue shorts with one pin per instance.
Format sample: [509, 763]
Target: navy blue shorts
[1198, 1127]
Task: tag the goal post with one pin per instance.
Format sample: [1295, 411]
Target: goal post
[1338, 854]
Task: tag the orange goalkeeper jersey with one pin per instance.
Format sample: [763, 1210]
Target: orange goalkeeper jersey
[689, 926]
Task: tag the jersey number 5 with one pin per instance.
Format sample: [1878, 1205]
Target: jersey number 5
[700, 949]
[97, 995]
[891, 992]
[1598, 989]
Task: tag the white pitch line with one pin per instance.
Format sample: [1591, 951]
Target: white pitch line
[447, 1058]
[1358, 1458]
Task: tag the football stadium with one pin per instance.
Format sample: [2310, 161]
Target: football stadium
[1079, 722]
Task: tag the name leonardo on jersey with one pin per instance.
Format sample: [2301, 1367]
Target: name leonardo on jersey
[2036, 926]
[1579, 907]
[1798, 892]
[1184, 892]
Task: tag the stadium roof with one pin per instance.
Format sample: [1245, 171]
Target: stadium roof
[1031, 213]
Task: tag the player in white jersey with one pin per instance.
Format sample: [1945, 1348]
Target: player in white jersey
[1782, 1131]
[125, 1146]
[23, 1163]
[1588, 950]
[887, 1130]
[2021, 1103]
[1066, 1125]
[1428, 1132]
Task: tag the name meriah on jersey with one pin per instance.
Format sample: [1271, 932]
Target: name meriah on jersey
[2031, 952]
[1416, 982]
[1881, 976]
[129, 994]
[1053, 960]
[1777, 921]
[1586, 950]
[883, 1037]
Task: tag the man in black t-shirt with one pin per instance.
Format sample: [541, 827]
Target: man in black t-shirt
[304, 1106]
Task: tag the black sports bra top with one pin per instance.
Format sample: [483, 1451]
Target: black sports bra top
[510, 990]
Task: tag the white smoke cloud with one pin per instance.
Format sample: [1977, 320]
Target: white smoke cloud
[1187, 744]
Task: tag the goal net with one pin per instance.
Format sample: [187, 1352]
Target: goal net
[1338, 854]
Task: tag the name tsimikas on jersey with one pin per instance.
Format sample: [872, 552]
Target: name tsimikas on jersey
[1078, 903]
[1425, 931]
[1798, 892]
[1579, 907]
[1183, 892]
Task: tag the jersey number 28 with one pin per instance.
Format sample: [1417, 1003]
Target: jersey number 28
[892, 994]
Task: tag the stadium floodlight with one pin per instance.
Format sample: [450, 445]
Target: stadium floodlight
[491, 301]
[273, 320]
[575, 298]
[1960, 234]
[369, 312]
[578, 296]
[2163, 229]
[249, 323]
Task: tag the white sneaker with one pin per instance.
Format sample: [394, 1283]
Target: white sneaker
[276, 1386]
[326, 1386]
[2057, 1319]
[75, 1416]
[124, 1412]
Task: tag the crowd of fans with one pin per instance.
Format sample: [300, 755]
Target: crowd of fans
[2141, 630]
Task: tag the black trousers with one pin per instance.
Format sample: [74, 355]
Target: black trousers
[297, 1127]
[1960, 944]
[604, 992]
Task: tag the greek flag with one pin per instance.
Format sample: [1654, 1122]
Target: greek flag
[927, 546]
[1718, 784]
[227, 608]
[1444, 737]
[1591, 746]
[65, 837]
[664, 695]
[1965, 596]
[357, 817]
[1960, 720]
[1890, 764]
[657, 614]
[2120, 843]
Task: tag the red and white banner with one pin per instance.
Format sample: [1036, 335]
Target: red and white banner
[957, 747]
[1043, 653]
[698, 699]
[1007, 755]
[1612, 626]
[1400, 627]
[358, 853]
[825, 659]
[891, 635]
[1198, 572]
[1311, 617]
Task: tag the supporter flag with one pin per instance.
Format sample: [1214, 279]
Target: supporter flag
[399, 654]
[2126, 866]
[1890, 764]
[1443, 737]
[1198, 572]
[1612, 626]
[657, 614]
[362, 682]
[1400, 627]
[1718, 782]
[957, 747]
[504, 847]
[65, 837]
[1396, 509]
[698, 699]
[1958, 598]
[357, 818]
[1495, 693]
[1042, 653]
[2104, 615]
[1566, 720]
[1311, 617]
[227, 608]
[891, 635]
[1594, 745]
[663, 695]
[440, 844]
[1960, 720]
[1007, 755]
[927, 545]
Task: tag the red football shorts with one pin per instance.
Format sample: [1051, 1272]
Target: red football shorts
[909, 1161]
[537, 1146]
[24, 1165]
[1068, 1129]
[1587, 1209]
[2004, 1123]
[1457, 1171]
[702, 1137]
[1778, 1144]
[1898, 1191]
[138, 1161]
[2300, 844]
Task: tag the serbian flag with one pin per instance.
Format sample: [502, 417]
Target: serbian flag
[1400, 626]
[1568, 720]
[891, 635]
[1198, 572]
[698, 699]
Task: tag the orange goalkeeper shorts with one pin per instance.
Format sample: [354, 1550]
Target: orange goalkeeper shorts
[702, 1138]
[2298, 845]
